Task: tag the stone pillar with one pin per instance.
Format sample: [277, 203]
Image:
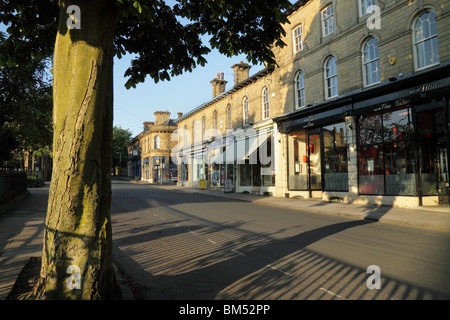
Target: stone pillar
[352, 158]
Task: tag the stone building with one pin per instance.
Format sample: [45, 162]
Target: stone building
[156, 142]
[357, 109]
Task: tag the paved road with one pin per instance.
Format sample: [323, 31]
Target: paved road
[175, 245]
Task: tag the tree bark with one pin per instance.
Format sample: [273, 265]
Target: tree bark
[78, 223]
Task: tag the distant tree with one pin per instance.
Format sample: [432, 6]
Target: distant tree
[26, 109]
[121, 139]
[78, 223]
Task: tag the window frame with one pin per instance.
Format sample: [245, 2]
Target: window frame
[229, 117]
[298, 105]
[297, 38]
[157, 142]
[329, 78]
[328, 18]
[416, 54]
[362, 3]
[365, 64]
[245, 111]
[215, 121]
[265, 99]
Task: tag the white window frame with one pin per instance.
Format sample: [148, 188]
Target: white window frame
[245, 110]
[327, 18]
[364, 5]
[157, 140]
[300, 100]
[265, 103]
[329, 78]
[367, 63]
[297, 36]
[416, 44]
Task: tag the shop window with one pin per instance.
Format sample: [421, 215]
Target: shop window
[386, 153]
[370, 129]
[245, 173]
[335, 157]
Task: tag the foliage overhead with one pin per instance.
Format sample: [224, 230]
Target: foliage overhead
[166, 38]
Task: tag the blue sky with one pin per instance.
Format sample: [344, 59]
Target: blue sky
[181, 94]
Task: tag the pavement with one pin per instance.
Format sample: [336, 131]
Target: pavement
[22, 224]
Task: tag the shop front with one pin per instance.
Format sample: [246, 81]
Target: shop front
[388, 145]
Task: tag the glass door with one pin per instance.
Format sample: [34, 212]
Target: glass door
[315, 160]
[433, 151]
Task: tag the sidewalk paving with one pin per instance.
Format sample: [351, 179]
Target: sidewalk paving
[22, 228]
[433, 218]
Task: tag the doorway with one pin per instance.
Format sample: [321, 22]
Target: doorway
[314, 161]
[433, 143]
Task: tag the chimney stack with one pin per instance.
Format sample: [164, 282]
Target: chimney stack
[241, 72]
[218, 85]
[180, 114]
[161, 117]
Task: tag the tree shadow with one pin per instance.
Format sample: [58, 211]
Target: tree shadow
[250, 266]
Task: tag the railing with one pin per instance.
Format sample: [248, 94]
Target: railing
[12, 185]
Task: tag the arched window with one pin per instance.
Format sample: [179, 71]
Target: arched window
[157, 142]
[371, 62]
[245, 111]
[331, 78]
[300, 90]
[425, 38]
[265, 103]
[229, 120]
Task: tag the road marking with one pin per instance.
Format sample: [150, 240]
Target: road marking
[193, 232]
[238, 252]
[332, 293]
[177, 224]
[273, 268]
[155, 214]
[213, 242]
[162, 218]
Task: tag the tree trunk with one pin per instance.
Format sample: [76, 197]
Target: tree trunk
[78, 224]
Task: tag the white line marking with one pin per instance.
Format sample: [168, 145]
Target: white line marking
[332, 293]
[155, 214]
[162, 218]
[177, 224]
[285, 273]
[238, 252]
[193, 232]
[212, 241]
